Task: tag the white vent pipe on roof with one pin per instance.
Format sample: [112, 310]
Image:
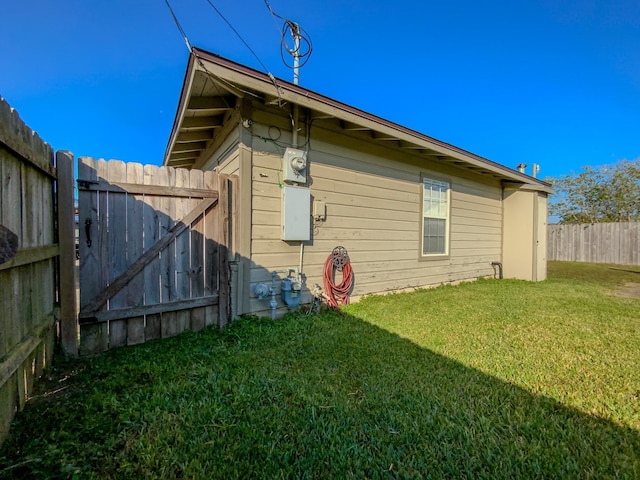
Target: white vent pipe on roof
[535, 168]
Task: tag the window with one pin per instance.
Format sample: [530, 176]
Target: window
[435, 216]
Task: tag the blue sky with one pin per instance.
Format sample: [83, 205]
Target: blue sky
[555, 82]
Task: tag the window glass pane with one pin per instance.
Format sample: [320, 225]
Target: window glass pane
[435, 211]
[433, 245]
[435, 199]
[444, 210]
[434, 240]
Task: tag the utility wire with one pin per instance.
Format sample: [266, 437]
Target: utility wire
[274, 14]
[291, 27]
[202, 65]
[177, 22]
[266, 70]
[215, 78]
[239, 36]
[211, 76]
[295, 30]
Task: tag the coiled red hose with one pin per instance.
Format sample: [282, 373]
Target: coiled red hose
[337, 293]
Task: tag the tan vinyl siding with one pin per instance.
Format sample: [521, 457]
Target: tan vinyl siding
[231, 166]
[476, 224]
[226, 155]
[373, 209]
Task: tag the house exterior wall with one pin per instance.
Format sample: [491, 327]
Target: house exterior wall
[373, 200]
[232, 156]
[226, 154]
[524, 243]
[541, 236]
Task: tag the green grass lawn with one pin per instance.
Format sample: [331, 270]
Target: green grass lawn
[490, 379]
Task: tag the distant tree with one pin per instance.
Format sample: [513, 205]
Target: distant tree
[610, 193]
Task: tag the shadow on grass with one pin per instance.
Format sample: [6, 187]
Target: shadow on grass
[320, 397]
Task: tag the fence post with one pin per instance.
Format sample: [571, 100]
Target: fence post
[66, 235]
[224, 273]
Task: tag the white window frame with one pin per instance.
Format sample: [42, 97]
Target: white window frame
[436, 205]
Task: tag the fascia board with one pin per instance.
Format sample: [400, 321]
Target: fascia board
[250, 79]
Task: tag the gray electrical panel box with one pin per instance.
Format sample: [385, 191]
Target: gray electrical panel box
[296, 213]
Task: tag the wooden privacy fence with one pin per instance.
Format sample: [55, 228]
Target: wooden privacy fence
[616, 243]
[155, 248]
[154, 251]
[33, 189]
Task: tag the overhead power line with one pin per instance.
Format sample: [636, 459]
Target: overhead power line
[239, 36]
[177, 22]
[264, 67]
[302, 46]
[211, 75]
[301, 49]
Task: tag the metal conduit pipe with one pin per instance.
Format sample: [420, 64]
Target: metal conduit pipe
[499, 265]
[273, 303]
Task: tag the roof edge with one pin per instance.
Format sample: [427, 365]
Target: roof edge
[186, 87]
[270, 83]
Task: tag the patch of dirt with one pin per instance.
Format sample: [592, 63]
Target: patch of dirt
[629, 290]
[57, 383]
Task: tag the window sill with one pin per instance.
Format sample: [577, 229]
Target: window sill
[434, 257]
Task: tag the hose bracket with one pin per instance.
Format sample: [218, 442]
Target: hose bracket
[339, 258]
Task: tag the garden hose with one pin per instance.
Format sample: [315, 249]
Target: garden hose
[338, 261]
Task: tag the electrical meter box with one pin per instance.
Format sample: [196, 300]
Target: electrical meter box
[296, 213]
[294, 165]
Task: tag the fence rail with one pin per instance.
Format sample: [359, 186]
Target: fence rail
[616, 243]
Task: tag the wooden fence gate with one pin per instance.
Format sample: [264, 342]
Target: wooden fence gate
[153, 251]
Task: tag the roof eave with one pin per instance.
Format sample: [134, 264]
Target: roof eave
[249, 78]
[182, 103]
